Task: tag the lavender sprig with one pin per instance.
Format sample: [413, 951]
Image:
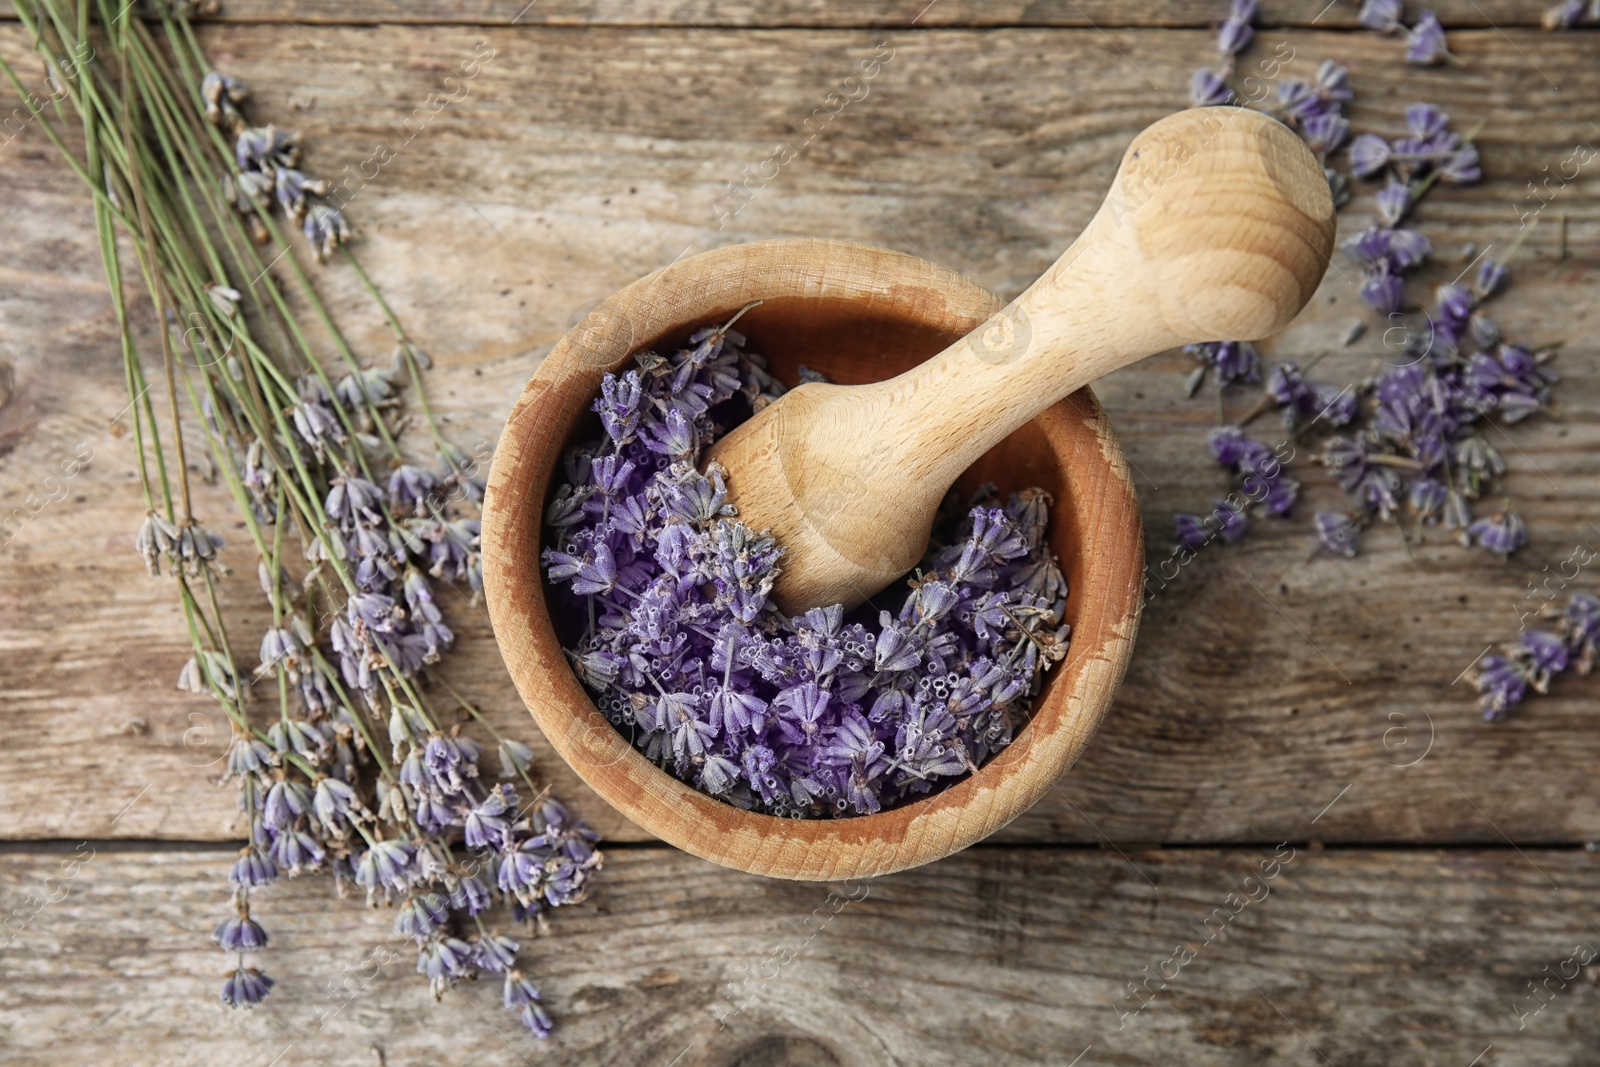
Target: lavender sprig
[1505, 678]
[356, 774]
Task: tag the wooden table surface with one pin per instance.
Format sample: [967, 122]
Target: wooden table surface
[1435, 866]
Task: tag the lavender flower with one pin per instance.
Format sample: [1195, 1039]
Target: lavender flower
[1425, 43]
[1207, 89]
[1502, 533]
[1338, 533]
[1381, 15]
[245, 987]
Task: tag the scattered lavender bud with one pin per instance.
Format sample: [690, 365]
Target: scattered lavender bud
[1381, 15]
[245, 987]
[1565, 15]
[1425, 41]
[1394, 200]
[239, 934]
[1338, 533]
[1369, 154]
[1207, 89]
[1502, 533]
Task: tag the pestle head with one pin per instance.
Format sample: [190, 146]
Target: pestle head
[1218, 226]
[1222, 221]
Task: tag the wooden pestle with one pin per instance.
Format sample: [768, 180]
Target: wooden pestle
[1218, 226]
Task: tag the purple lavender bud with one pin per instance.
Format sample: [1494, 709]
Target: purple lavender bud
[1426, 121]
[247, 755]
[1407, 248]
[488, 824]
[1547, 653]
[1502, 533]
[1297, 100]
[1338, 533]
[1425, 42]
[295, 851]
[1381, 15]
[536, 1020]
[1382, 291]
[1491, 278]
[326, 229]
[331, 801]
[1286, 385]
[411, 489]
[1428, 496]
[674, 436]
[1231, 521]
[286, 801]
[516, 757]
[1190, 531]
[239, 934]
[1207, 89]
[245, 987]
[1501, 682]
[1581, 624]
[519, 991]
[1369, 154]
[1233, 36]
[253, 868]
[1462, 167]
[470, 895]
[421, 916]
[265, 148]
[386, 865]
[1325, 132]
[495, 954]
[1228, 444]
[1333, 81]
[1565, 15]
[1394, 200]
[520, 874]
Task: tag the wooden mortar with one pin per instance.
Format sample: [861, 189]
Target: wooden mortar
[858, 314]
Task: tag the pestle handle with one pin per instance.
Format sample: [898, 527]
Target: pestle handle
[1218, 226]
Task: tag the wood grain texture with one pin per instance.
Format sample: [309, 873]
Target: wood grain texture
[580, 162]
[706, 14]
[998, 955]
[1217, 226]
[858, 315]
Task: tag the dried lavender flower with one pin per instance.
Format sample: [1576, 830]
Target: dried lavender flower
[1425, 42]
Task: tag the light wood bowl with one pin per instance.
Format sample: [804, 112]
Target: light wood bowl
[857, 314]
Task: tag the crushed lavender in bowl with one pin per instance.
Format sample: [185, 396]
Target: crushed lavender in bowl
[664, 596]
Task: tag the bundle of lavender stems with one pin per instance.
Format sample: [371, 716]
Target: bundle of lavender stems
[342, 761]
[816, 715]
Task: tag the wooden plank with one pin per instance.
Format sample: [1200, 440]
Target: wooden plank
[712, 14]
[577, 163]
[1001, 955]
